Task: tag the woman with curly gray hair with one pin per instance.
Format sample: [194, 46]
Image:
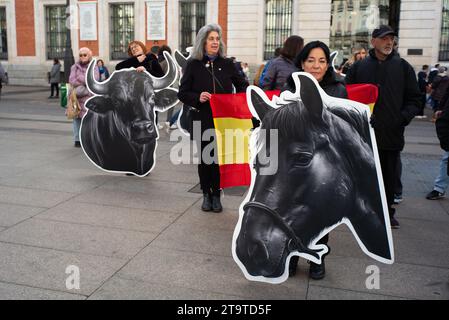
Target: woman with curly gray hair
[208, 72]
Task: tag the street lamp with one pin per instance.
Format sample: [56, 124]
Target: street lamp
[69, 60]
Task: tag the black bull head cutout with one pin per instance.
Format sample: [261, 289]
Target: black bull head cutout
[328, 173]
[119, 133]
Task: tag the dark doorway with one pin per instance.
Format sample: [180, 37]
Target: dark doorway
[395, 11]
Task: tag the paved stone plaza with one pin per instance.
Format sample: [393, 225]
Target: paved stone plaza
[148, 239]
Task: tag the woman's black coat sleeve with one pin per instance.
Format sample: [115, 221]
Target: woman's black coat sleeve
[186, 93]
[128, 63]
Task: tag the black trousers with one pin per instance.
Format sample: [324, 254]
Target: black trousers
[209, 174]
[389, 163]
[53, 87]
[398, 182]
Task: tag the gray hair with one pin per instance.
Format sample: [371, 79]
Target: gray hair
[201, 38]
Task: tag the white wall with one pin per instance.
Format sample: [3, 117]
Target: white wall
[420, 28]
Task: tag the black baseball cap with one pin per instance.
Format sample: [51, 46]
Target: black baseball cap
[383, 31]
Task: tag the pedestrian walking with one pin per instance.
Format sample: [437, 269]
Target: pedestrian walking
[55, 79]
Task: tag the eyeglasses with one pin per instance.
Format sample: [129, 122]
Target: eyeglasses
[83, 55]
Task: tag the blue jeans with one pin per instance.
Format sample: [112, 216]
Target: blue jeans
[442, 180]
[76, 129]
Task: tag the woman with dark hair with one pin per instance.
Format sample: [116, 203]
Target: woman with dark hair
[314, 58]
[283, 66]
[140, 60]
[206, 73]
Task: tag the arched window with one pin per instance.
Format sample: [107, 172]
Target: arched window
[278, 25]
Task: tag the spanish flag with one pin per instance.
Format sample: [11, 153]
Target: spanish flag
[364, 93]
[233, 125]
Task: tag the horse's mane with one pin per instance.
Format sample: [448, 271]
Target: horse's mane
[287, 120]
[355, 118]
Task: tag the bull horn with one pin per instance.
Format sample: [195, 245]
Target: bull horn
[169, 78]
[92, 84]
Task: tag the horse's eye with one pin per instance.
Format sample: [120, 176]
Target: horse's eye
[303, 159]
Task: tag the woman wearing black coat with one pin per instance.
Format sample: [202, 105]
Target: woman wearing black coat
[140, 60]
[314, 58]
[208, 72]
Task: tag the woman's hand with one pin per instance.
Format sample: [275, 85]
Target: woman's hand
[205, 96]
[141, 69]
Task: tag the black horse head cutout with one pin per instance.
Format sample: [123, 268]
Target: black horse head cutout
[119, 133]
[328, 173]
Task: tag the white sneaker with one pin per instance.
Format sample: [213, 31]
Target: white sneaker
[174, 126]
[160, 126]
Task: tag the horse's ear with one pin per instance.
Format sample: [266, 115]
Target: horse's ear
[259, 104]
[311, 97]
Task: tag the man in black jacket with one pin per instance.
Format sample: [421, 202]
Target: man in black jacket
[397, 104]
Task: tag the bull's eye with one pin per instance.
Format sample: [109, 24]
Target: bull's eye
[303, 159]
[151, 100]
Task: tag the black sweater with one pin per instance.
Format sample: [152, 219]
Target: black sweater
[150, 63]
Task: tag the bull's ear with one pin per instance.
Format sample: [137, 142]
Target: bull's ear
[165, 99]
[99, 104]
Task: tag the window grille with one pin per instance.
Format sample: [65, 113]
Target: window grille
[122, 29]
[444, 40]
[56, 31]
[3, 35]
[192, 17]
[278, 26]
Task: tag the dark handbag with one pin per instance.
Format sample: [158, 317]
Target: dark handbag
[187, 118]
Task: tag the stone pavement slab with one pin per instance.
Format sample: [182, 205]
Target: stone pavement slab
[32, 197]
[19, 292]
[204, 272]
[45, 268]
[400, 280]
[100, 241]
[317, 292]
[154, 201]
[122, 289]
[12, 214]
[110, 217]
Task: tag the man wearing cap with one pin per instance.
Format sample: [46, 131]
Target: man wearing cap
[397, 105]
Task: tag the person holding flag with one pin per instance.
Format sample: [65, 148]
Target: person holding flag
[208, 72]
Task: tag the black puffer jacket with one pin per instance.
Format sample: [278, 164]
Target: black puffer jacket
[399, 96]
[197, 78]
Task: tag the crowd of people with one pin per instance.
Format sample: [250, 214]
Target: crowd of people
[402, 96]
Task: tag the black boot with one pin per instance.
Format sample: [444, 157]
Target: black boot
[216, 203]
[317, 271]
[293, 266]
[207, 202]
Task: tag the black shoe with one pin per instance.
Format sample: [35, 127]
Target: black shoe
[77, 144]
[434, 195]
[216, 202]
[293, 266]
[207, 203]
[317, 271]
[394, 223]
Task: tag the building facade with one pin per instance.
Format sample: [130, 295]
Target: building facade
[33, 32]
